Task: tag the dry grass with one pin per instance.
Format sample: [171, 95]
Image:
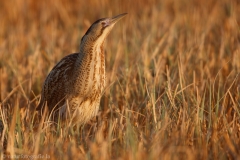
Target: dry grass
[173, 79]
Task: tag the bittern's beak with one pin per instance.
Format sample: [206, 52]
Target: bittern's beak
[113, 20]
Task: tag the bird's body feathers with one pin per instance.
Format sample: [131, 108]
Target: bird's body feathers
[74, 86]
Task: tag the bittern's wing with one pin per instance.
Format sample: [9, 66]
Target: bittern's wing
[54, 87]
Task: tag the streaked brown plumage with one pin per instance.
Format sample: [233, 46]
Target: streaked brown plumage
[74, 86]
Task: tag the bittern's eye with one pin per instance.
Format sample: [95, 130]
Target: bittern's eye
[103, 23]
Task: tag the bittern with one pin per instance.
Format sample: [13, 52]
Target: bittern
[75, 85]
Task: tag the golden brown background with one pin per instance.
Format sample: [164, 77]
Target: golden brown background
[173, 77]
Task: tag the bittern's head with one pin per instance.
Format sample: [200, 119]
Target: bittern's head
[100, 29]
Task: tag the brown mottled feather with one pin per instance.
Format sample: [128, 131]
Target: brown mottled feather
[54, 88]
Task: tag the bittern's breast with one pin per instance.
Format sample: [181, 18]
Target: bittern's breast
[86, 102]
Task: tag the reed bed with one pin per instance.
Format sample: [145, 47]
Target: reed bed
[173, 83]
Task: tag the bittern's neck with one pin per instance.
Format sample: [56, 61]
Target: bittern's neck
[90, 52]
[91, 47]
[92, 61]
